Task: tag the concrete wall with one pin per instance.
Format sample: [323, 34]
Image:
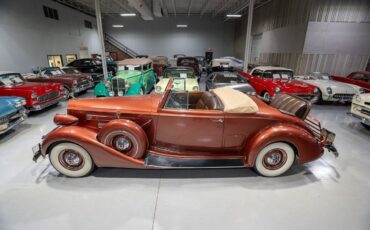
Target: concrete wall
[161, 37]
[27, 37]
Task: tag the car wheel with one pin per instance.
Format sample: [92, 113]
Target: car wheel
[71, 160]
[267, 96]
[66, 92]
[319, 98]
[366, 126]
[275, 159]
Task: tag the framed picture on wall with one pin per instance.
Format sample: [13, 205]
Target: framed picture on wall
[55, 60]
[71, 57]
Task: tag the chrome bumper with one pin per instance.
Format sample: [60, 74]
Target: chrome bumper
[327, 138]
[16, 120]
[363, 120]
[36, 152]
[47, 104]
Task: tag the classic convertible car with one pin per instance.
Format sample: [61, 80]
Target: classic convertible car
[12, 112]
[359, 78]
[73, 84]
[220, 64]
[135, 76]
[230, 79]
[38, 95]
[360, 109]
[183, 79]
[181, 129]
[269, 81]
[330, 90]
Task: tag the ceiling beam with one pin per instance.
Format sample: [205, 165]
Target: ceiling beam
[225, 4]
[189, 7]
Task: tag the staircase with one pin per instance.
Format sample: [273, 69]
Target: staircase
[113, 45]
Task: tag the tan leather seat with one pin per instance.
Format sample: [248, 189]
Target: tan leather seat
[207, 101]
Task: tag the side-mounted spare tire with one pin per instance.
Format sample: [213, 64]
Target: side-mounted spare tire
[124, 136]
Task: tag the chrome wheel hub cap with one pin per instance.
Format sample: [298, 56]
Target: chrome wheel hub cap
[122, 143]
[72, 158]
[274, 159]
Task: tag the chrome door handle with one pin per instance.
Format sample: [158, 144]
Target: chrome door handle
[220, 120]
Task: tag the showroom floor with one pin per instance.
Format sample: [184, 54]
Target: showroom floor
[327, 194]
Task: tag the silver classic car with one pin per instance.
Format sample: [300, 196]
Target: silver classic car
[230, 79]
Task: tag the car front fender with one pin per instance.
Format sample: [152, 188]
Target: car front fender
[134, 90]
[304, 143]
[101, 90]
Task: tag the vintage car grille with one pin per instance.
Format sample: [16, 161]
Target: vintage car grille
[343, 96]
[367, 103]
[118, 84]
[365, 111]
[47, 96]
[315, 126]
[6, 118]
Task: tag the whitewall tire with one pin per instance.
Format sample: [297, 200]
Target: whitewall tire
[71, 160]
[275, 159]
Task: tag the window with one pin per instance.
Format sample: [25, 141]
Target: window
[88, 24]
[257, 73]
[145, 67]
[361, 77]
[177, 100]
[50, 13]
[228, 77]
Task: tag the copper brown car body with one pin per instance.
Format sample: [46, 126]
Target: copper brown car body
[184, 136]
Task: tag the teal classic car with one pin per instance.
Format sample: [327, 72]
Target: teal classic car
[134, 77]
[12, 112]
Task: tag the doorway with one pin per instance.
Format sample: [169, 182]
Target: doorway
[55, 60]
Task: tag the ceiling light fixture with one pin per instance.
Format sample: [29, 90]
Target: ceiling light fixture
[181, 26]
[117, 26]
[233, 15]
[128, 15]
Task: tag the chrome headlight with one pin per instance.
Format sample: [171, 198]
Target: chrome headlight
[361, 90]
[196, 88]
[34, 95]
[358, 98]
[120, 93]
[127, 84]
[107, 84]
[329, 90]
[277, 89]
[158, 89]
[316, 91]
[111, 93]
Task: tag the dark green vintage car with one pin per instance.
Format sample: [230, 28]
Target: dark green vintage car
[134, 77]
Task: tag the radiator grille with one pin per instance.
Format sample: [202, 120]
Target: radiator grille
[47, 96]
[118, 84]
[366, 112]
[6, 118]
[314, 126]
[343, 96]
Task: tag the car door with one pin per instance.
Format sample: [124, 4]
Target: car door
[183, 129]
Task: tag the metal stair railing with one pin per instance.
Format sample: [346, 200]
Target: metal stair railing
[108, 38]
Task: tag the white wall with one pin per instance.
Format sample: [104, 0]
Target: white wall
[27, 37]
[161, 37]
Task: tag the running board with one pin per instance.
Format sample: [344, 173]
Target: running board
[172, 162]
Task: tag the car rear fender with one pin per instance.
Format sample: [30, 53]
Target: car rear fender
[101, 90]
[304, 143]
[103, 156]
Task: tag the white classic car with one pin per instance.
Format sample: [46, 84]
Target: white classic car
[235, 62]
[331, 90]
[360, 109]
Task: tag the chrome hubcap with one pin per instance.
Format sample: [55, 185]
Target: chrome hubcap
[72, 159]
[122, 143]
[274, 159]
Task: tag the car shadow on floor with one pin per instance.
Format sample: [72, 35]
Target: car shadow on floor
[14, 132]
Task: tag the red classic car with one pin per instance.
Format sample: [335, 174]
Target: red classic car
[360, 78]
[270, 80]
[182, 129]
[73, 84]
[38, 95]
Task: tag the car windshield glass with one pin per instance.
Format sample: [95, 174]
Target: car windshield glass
[279, 74]
[71, 70]
[11, 79]
[177, 100]
[187, 62]
[130, 67]
[178, 74]
[229, 77]
[319, 76]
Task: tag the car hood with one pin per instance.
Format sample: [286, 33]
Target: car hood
[128, 104]
[71, 77]
[336, 86]
[7, 105]
[128, 73]
[293, 86]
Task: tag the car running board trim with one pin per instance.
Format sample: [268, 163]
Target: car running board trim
[172, 162]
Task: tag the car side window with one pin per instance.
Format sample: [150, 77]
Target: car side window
[360, 77]
[267, 75]
[145, 67]
[257, 73]
[177, 100]
[220, 78]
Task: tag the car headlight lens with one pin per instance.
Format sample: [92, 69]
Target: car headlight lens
[358, 98]
[361, 90]
[158, 89]
[127, 84]
[329, 90]
[316, 91]
[277, 90]
[34, 95]
[107, 84]
[195, 88]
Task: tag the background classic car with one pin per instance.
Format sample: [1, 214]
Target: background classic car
[330, 90]
[270, 80]
[360, 109]
[72, 70]
[213, 129]
[73, 83]
[360, 78]
[230, 79]
[135, 76]
[12, 112]
[183, 79]
[160, 63]
[38, 95]
[189, 62]
[90, 65]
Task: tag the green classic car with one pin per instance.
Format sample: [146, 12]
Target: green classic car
[134, 77]
[183, 79]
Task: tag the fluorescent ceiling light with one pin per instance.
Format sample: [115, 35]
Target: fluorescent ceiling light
[233, 15]
[181, 26]
[128, 15]
[117, 26]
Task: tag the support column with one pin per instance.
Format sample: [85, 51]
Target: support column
[101, 38]
[248, 37]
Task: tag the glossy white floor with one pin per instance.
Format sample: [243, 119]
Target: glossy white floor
[327, 194]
